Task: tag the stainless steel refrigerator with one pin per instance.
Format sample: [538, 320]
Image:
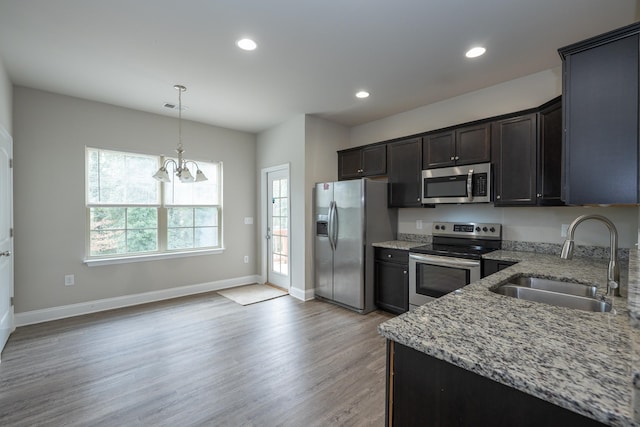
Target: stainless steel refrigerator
[349, 216]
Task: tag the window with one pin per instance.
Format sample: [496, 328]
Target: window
[130, 213]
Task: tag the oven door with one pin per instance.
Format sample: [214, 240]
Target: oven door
[432, 276]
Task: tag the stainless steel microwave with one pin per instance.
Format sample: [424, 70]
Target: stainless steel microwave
[457, 184]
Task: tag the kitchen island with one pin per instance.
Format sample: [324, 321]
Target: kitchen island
[581, 361]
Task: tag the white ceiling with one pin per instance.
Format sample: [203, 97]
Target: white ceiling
[312, 56]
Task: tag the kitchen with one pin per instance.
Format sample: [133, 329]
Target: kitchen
[280, 144]
[525, 348]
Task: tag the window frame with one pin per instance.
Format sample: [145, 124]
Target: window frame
[162, 220]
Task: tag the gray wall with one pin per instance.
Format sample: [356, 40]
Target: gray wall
[322, 141]
[6, 92]
[309, 144]
[277, 146]
[522, 224]
[50, 135]
[532, 224]
[507, 97]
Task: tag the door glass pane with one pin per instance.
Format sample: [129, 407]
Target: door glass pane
[279, 221]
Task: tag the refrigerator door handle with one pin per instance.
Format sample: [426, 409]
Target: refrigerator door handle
[335, 221]
[330, 226]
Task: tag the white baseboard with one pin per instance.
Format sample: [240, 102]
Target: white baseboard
[55, 313]
[302, 294]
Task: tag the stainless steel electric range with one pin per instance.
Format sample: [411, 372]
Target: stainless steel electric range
[452, 260]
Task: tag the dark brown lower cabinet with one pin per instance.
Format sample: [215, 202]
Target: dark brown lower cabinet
[425, 391]
[490, 266]
[391, 280]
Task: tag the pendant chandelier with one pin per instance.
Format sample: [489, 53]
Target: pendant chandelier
[180, 168]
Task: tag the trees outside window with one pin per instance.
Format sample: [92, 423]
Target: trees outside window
[130, 213]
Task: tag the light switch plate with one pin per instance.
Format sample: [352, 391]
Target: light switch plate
[69, 280]
[248, 220]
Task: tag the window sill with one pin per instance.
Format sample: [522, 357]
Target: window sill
[93, 262]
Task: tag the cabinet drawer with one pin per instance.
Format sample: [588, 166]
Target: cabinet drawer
[392, 255]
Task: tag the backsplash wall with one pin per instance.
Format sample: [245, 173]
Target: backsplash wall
[540, 225]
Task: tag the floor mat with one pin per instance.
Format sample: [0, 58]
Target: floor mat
[251, 294]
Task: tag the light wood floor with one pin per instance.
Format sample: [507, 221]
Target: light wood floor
[201, 360]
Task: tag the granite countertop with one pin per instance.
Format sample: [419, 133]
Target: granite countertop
[397, 244]
[585, 362]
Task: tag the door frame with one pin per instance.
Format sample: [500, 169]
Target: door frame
[4, 135]
[264, 215]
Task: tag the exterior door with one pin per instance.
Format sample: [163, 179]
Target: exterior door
[6, 238]
[278, 270]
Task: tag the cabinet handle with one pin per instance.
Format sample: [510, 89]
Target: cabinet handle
[539, 195]
[453, 158]
[457, 157]
[404, 272]
[498, 197]
[418, 199]
[389, 256]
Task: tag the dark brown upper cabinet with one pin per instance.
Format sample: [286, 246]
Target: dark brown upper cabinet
[550, 154]
[527, 157]
[514, 160]
[461, 146]
[600, 95]
[404, 160]
[362, 161]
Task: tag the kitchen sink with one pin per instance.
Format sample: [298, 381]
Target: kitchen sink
[553, 292]
[578, 289]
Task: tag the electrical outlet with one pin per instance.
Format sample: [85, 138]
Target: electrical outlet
[246, 259]
[418, 224]
[69, 280]
[563, 230]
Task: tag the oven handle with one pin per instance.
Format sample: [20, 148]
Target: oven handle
[444, 261]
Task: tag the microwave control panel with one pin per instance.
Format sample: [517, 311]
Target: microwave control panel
[480, 184]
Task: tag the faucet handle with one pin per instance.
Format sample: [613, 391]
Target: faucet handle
[612, 285]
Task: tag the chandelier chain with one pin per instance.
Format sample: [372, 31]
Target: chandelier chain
[180, 90]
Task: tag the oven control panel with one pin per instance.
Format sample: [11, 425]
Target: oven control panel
[476, 230]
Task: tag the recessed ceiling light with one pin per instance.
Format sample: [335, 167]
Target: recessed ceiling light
[362, 94]
[246, 44]
[474, 52]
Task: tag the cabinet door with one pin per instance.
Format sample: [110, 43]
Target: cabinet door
[425, 391]
[405, 173]
[514, 157]
[349, 164]
[439, 150]
[473, 145]
[392, 286]
[374, 160]
[550, 155]
[490, 266]
[600, 92]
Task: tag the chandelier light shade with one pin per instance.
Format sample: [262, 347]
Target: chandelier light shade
[179, 168]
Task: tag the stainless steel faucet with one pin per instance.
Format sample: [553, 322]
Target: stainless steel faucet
[613, 271]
